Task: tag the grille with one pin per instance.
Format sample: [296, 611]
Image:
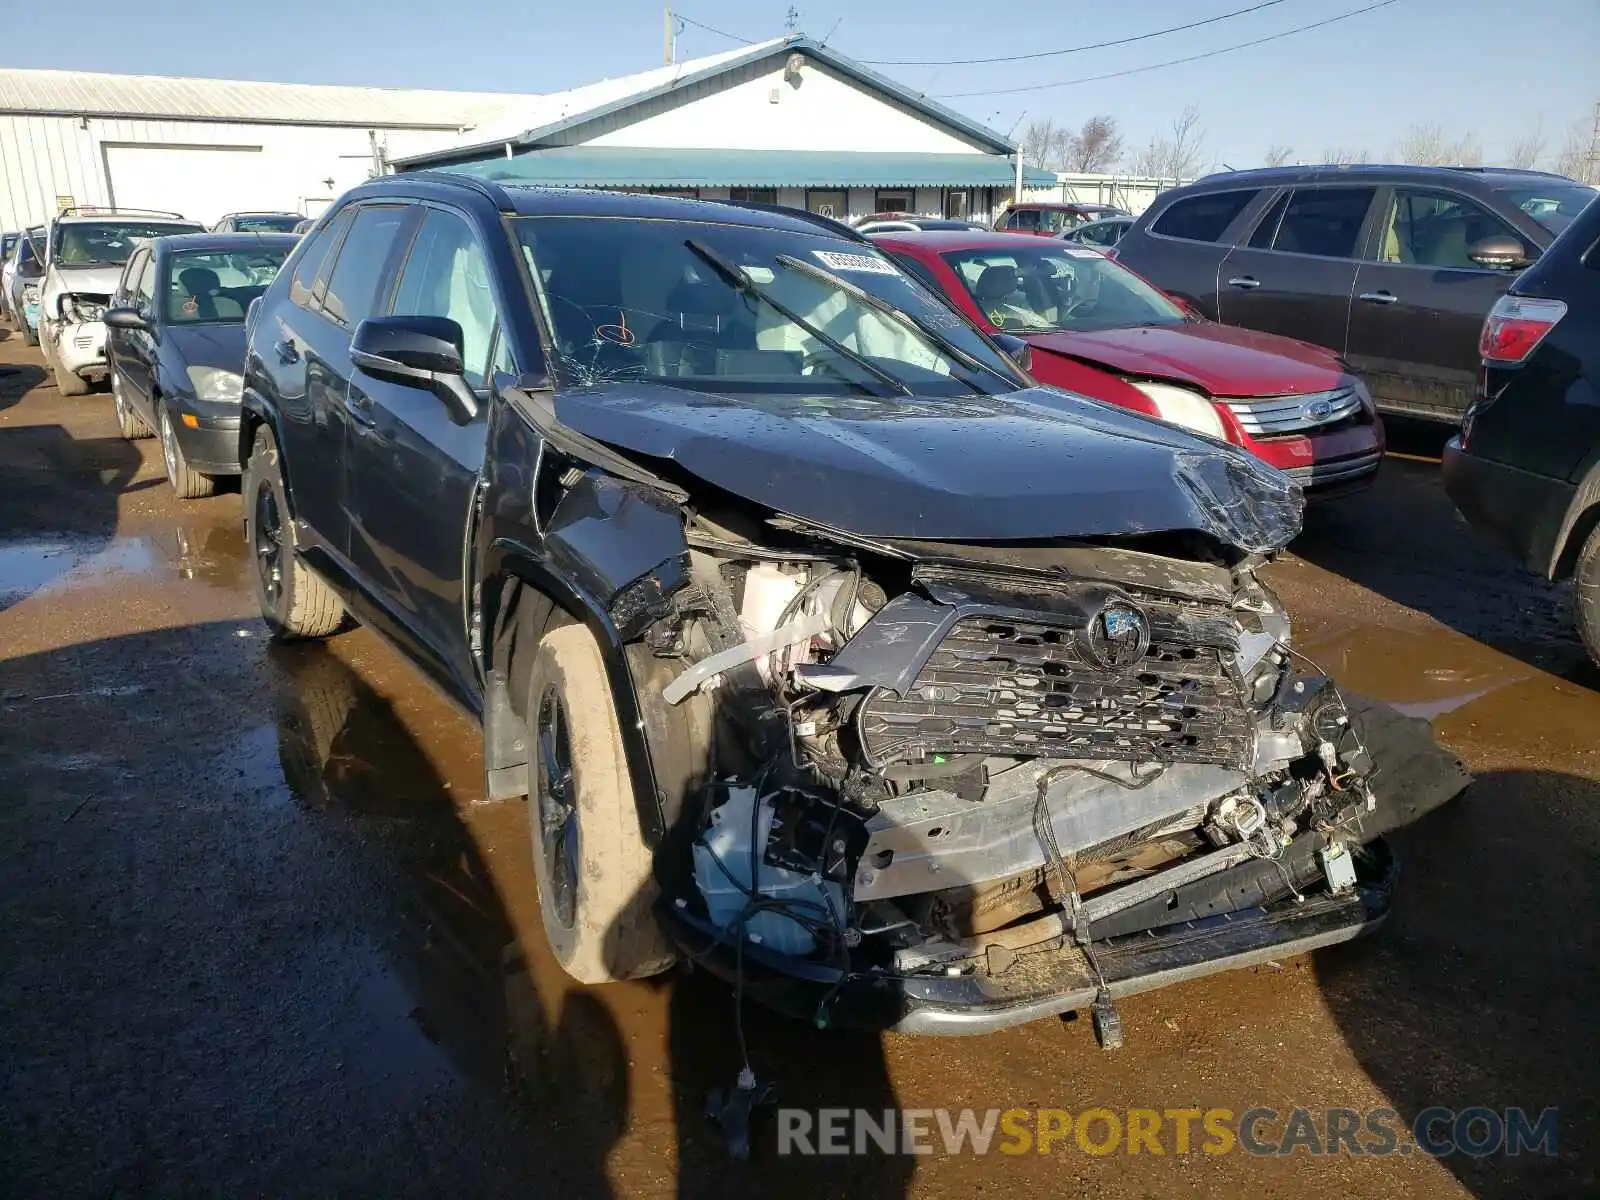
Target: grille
[1017, 688]
[1287, 414]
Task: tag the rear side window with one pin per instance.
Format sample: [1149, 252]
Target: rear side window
[1322, 221]
[1203, 218]
[353, 287]
[304, 283]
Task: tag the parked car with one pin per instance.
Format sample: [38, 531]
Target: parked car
[798, 608]
[303, 225]
[258, 222]
[19, 283]
[175, 343]
[1097, 329]
[1526, 465]
[1049, 220]
[1102, 235]
[85, 252]
[904, 224]
[1395, 267]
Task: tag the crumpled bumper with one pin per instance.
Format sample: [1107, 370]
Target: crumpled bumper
[81, 348]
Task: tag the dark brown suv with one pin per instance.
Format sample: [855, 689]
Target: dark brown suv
[1395, 267]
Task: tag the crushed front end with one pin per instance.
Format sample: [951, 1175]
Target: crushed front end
[955, 788]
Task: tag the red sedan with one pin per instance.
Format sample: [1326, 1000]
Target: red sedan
[1097, 329]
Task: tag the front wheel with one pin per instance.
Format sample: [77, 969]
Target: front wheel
[1586, 594]
[66, 382]
[185, 480]
[596, 887]
[295, 601]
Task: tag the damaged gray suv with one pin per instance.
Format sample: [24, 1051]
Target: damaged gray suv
[827, 648]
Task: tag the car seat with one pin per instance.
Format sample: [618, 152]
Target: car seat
[200, 297]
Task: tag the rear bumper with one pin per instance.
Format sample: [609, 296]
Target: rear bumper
[1524, 511]
[1036, 984]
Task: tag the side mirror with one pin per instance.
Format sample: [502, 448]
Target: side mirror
[418, 352]
[124, 317]
[1017, 350]
[1500, 252]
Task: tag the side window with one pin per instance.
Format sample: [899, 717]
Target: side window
[1323, 221]
[1267, 230]
[144, 286]
[1435, 229]
[1026, 219]
[447, 275]
[304, 283]
[353, 286]
[1203, 218]
[503, 363]
[128, 285]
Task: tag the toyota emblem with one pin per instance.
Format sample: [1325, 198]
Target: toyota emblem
[1118, 636]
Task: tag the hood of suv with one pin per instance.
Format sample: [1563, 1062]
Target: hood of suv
[1222, 360]
[86, 279]
[1032, 465]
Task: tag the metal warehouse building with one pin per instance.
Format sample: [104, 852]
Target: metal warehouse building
[787, 121]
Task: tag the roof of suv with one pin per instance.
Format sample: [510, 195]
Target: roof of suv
[1490, 178]
[528, 200]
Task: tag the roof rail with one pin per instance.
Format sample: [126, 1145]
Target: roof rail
[799, 214]
[1513, 171]
[102, 210]
[492, 191]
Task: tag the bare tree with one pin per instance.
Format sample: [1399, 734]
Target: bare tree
[1174, 157]
[1096, 145]
[1278, 155]
[1340, 156]
[1046, 145]
[1527, 149]
[1426, 144]
[1574, 160]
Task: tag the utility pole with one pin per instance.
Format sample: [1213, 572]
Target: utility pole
[667, 48]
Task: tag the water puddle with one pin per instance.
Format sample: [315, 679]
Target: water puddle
[210, 554]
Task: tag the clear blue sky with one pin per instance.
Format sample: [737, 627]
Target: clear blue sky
[1468, 65]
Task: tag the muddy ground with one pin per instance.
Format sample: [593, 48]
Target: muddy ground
[257, 936]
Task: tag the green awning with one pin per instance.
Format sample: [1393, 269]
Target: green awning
[624, 166]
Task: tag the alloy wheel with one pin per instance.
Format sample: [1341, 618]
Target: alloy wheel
[269, 548]
[558, 810]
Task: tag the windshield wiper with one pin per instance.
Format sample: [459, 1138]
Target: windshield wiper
[745, 284]
[949, 348]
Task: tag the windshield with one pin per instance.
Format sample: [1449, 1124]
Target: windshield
[108, 243]
[266, 223]
[1553, 207]
[1023, 290]
[216, 286]
[633, 299]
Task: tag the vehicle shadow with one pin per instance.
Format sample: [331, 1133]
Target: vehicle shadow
[1483, 987]
[16, 381]
[1403, 539]
[254, 946]
[41, 542]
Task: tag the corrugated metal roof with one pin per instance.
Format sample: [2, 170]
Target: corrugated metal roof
[85, 93]
[625, 166]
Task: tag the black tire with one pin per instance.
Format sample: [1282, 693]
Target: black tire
[188, 483]
[129, 423]
[596, 886]
[295, 601]
[1586, 594]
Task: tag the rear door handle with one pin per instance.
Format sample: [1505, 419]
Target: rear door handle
[287, 351]
[1378, 297]
[1248, 282]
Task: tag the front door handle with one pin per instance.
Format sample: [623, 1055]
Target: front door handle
[1248, 282]
[287, 351]
[1379, 297]
[359, 405]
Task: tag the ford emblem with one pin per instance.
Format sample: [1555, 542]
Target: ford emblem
[1319, 409]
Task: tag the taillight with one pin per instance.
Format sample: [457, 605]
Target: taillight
[1515, 326]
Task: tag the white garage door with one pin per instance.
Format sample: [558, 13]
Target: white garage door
[201, 182]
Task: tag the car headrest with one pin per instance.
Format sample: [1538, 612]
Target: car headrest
[996, 283]
[199, 281]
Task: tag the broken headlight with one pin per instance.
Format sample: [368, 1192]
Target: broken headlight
[79, 310]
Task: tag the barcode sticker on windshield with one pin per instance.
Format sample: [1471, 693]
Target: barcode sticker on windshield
[869, 264]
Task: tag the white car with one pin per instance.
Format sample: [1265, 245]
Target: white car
[84, 256]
